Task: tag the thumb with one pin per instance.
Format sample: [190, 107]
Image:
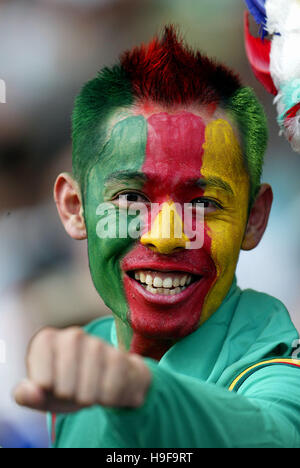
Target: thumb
[29, 394]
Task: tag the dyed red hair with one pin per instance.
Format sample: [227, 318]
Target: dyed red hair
[168, 71]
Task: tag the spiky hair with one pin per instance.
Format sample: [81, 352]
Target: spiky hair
[169, 72]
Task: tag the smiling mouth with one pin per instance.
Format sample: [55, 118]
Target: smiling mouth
[164, 283]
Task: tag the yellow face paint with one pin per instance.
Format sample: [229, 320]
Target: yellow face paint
[167, 232]
[223, 159]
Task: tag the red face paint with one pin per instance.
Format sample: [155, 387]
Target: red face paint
[173, 160]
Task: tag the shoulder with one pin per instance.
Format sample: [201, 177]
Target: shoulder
[264, 310]
[261, 330]
[257, 298]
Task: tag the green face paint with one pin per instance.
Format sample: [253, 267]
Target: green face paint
[123, 153]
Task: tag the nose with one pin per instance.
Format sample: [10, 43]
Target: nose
[167, 234]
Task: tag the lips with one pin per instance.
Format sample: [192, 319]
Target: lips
[163, 300]
[162, 286]
[157, 279]
[193, 262]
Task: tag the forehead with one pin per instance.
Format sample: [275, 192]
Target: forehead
[179, 144]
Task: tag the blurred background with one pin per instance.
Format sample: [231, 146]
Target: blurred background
[48, 49]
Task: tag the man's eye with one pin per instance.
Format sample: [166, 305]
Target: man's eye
[208, 204]
[126, 198]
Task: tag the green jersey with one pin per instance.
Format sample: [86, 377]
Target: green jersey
[232, 383]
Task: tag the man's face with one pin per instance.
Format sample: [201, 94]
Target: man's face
[159, 286]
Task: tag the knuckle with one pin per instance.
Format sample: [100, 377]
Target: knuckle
[116, 359]
[43, 339]
[71, 336]
[95, 346]
[74, 333]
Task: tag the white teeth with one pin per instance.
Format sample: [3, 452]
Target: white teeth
[165, 291]
[149, 280]
[167, 283]
[176, 282]
[183, 280]
[142, 277]
[158, 282]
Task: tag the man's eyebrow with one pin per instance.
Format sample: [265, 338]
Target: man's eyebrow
[120, 176]
[214, 182]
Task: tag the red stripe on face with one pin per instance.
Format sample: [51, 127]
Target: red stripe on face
[174, 157]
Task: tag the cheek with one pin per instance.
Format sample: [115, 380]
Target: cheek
[227, 234]
[223, 158]
[226, 237]
[105, 251]
[223, 244]
[105, 257]
[109, 232]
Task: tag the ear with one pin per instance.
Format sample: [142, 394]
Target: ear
[258, 218]
[67, 197]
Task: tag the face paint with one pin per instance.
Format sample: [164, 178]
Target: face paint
[173, 161]
[223, 158]
[167, 232]
[121, 157]
[168, 157]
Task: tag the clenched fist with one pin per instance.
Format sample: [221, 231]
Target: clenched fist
[69, 370]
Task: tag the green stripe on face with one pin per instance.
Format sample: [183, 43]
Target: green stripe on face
[110, 92]
[124, 152]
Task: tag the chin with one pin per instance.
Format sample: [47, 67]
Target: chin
[169, 308]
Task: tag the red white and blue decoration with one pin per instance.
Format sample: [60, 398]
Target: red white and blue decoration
[276, 60]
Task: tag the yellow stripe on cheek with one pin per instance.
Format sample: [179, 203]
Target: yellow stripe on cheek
[223, 159]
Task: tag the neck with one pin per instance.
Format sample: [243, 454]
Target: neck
[131, 341]
[149, 347]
